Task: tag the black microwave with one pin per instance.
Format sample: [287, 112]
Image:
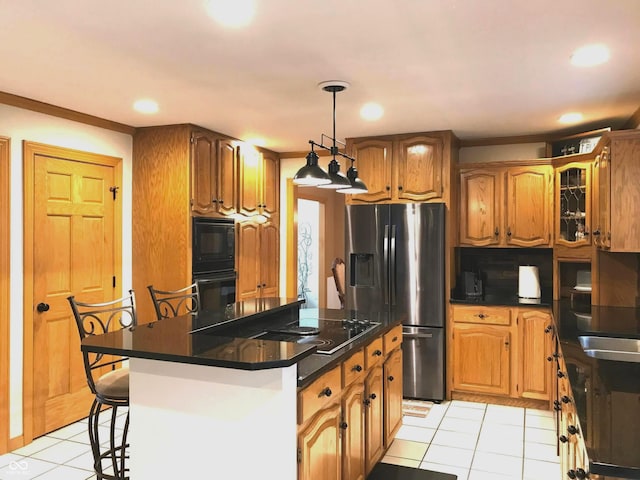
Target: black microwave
[214, 245]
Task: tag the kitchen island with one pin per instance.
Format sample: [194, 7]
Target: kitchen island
[210, 398]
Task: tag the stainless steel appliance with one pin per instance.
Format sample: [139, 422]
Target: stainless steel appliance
[396, 263]
[213, 261]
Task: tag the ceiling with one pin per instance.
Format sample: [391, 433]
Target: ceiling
[489, 68]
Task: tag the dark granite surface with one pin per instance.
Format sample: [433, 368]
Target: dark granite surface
[223, 339]
[606, 393]
[503, 298]
[388, 471]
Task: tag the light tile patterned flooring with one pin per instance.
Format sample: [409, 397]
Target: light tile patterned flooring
[476, 441]
[61, 455]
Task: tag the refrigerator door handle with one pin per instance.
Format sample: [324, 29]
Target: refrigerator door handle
[392, 266]
[385, 260]
[417, 335]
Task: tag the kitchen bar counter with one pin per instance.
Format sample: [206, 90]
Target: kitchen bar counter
[606, 393]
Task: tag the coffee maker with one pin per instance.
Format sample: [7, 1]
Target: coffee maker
[471, 284]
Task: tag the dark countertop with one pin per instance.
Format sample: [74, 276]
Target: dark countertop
[222, 339]
[504, 299]
[606, 393]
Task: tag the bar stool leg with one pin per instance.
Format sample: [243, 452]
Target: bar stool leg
[94, 423]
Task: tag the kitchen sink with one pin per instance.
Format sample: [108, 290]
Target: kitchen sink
[611, 348]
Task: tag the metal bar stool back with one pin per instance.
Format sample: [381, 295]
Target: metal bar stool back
[108, 383]
[171, 303]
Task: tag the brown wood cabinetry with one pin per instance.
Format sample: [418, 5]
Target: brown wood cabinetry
[364, 393]
[501, 351]
[618, 193]
[573, 210]
[258, 185]
[257, 259]
[506, 207]
[400, 168]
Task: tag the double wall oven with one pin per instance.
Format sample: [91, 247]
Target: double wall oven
[213, 267]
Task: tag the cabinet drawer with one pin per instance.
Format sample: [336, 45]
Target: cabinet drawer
[373, 353]
[483, 315]
[315, 396]
[392, 339]
[353, 368]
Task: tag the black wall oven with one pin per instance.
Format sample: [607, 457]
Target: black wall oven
[214, 261]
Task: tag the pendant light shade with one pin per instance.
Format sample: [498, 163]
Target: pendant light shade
[311, 174]
[355, 184]
[338, 180]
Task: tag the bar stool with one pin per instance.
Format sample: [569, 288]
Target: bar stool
[111, 389]
[171, 303]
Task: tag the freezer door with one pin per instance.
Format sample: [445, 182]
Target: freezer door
[423, 363]
[367, 231]
[417, 263]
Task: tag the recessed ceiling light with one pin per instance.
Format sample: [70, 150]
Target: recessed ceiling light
[146, 105]
[232, 13]
[572, 117]
[256, 141]
[371, 111]
[590, 55]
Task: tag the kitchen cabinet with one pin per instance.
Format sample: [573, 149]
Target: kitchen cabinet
[257, 258]
[573, 210]
[392, 395]
[213, 174]
[319, 453]
[506, 207]
[353, 431]
[400, 168]
[536, 345]
[618, 192]
[374, 418]
[258, 183]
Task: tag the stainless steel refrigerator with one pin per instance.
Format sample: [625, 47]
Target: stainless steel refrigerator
[395, 262]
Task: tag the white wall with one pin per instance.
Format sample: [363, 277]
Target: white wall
[502, 153]
[19, 124]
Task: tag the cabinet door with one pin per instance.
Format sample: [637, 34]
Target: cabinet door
[226, 177]
[392, 396]
[535, 333]
[249, 185]
[373, 418]
[270, 183]
[418, 169]
[481, 359]
[373, 161]
[604, 199]
[269, 264]
[573, 205]
[248, 252]
[319, 446]
[203, 173]
[480, 200]
[528, 201]
[353, 442]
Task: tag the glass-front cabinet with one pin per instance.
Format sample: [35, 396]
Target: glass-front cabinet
[573, 204]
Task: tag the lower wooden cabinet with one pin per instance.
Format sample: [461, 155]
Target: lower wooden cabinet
[392, 396]
[319, 446]
[535, 336]
[353, 428]
[374, 419]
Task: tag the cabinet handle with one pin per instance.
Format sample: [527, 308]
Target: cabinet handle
[220, 200]
[390, 377]
[343, 425]
[377, 353]
[372, 396]
[400, 187]
[506, 344]
[561, 374]
[572, 474]
[42, 307]
[213, 200]
[573, 430]
[565, 399]
[482, 315]
[596, 232]
[581, 473]
[394, 339]
[388, 188]
[496, 232]
[508, 231]
[548, 329]
[563, 438]
[356, 368]
[549, 359]
[326, 392]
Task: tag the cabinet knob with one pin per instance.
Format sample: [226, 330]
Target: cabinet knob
[561, 374]
[565, 399]
[509, 231]
[387, 188]
[563, 438]
[572, 474]
[581, 473]
[343, 425]
[573, 430]
[366, 402]
[43, 307]
[548, 329]
[264, 285]
[390, 377]
[325, 393]
[481, 315]
[496, 232]
[357, 368]
[373, 396]
[213, 200]
[400, 187]
[377, 353]
[220, 200]
[549, 359]
[596, 232]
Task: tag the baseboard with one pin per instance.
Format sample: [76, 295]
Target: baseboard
[498, 400]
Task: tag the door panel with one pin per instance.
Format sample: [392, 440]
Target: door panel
[73, 254]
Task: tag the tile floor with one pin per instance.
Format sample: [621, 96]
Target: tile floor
[476, 441]
[61, 455]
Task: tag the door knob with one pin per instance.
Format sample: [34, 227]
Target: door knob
[42, 307]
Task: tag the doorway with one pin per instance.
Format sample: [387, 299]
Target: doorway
[310, 256]
[72, 246]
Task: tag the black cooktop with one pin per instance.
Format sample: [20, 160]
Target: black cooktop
[327, 335]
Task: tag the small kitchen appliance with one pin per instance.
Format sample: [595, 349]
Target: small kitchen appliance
[528, 282]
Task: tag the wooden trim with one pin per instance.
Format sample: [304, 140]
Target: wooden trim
[634, 120]
[61, 112]
[5, 358]
[29, 150]
[509, 164]
[291, 260]
[486, 142]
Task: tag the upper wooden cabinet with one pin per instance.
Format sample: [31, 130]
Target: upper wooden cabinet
[257, 259]
[618, 171]
[506, 207]
[573, 204]
[400, 168]
[213, 174]
[259, 182]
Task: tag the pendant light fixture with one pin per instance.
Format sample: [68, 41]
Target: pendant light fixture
[313, 174]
